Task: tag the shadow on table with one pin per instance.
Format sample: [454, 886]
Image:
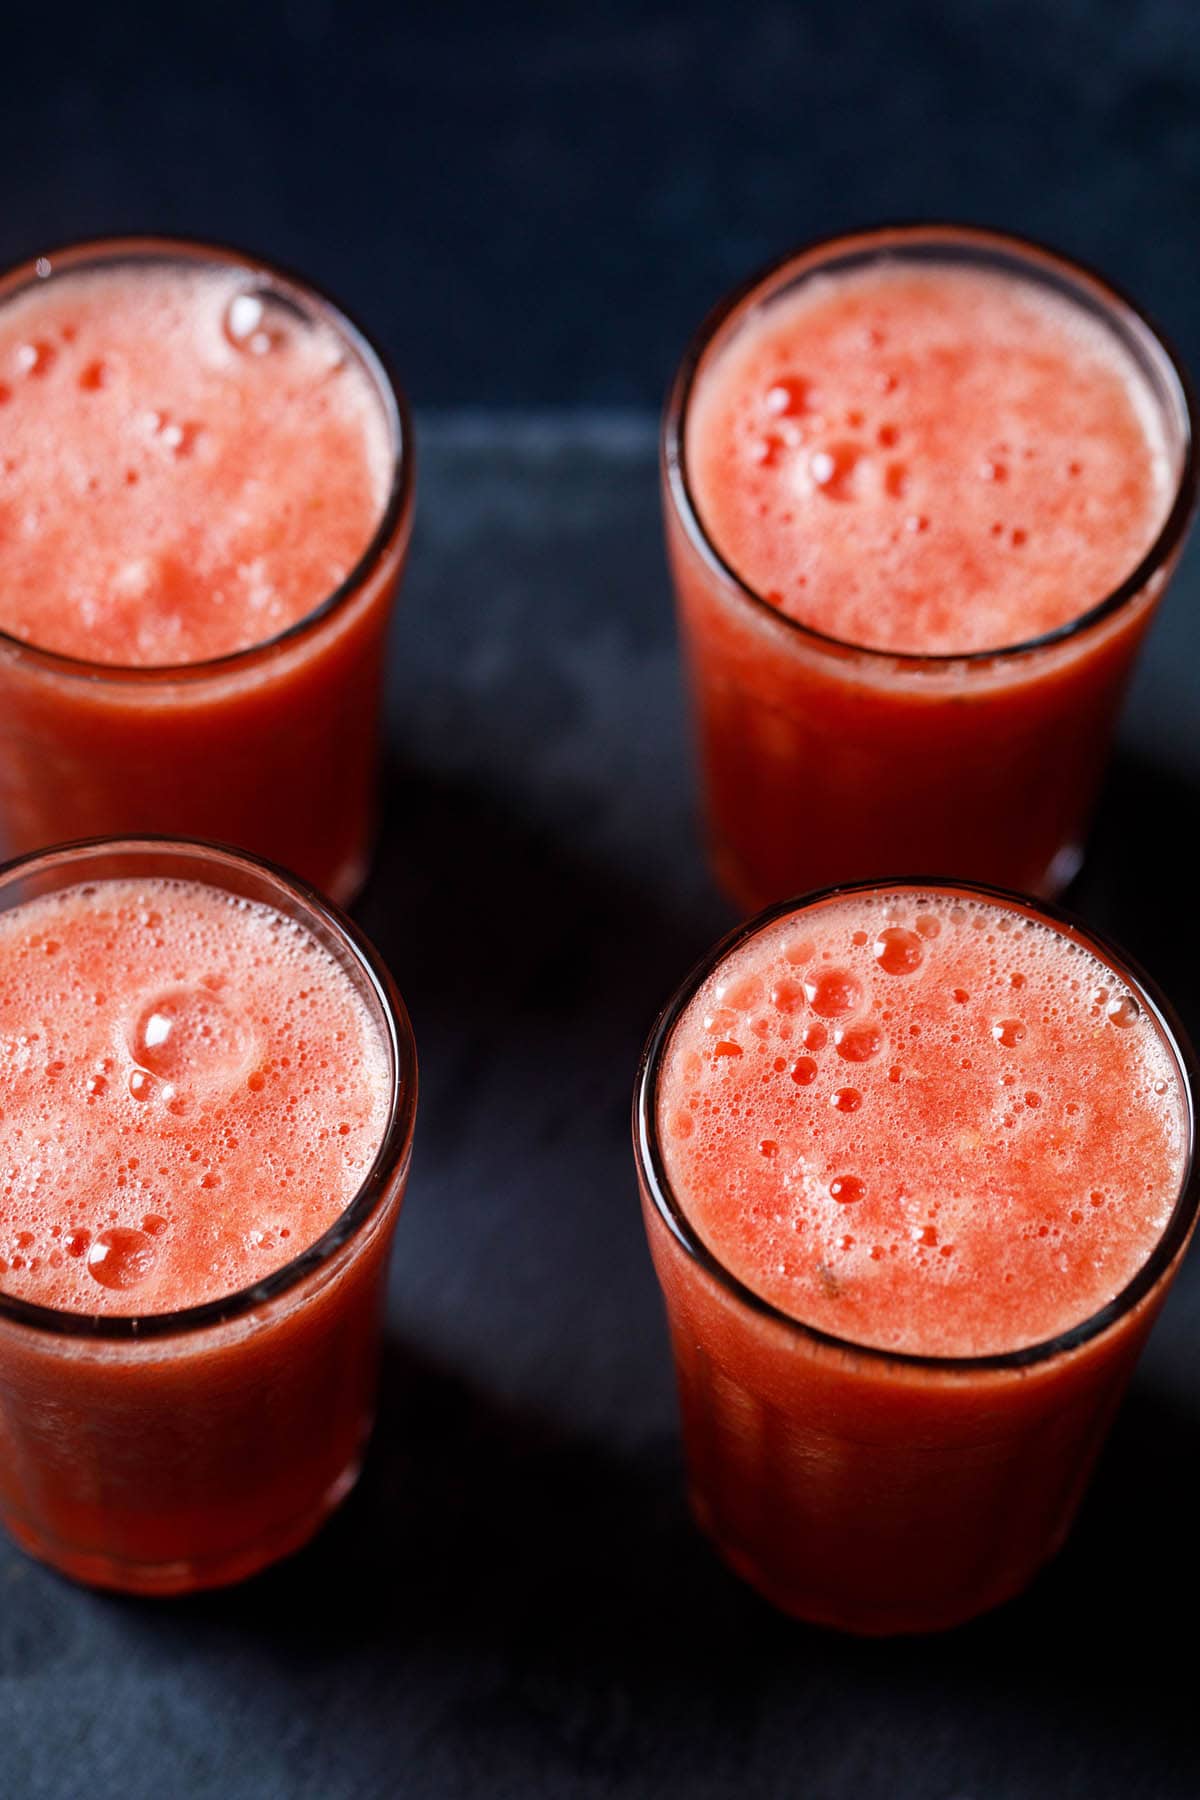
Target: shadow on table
[533, 960]
[473, 901]
[1138, 881]
[569, 1584]
[476, 908]
[562, 1585]
[457, 860]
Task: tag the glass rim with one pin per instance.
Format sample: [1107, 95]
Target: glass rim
[1072, 277]
[394, 1147]
[102, 252]
[652, 1164]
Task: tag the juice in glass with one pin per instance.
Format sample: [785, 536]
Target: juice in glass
[916, 1173]
[205, 504]
[207, 1091]
[923, 489]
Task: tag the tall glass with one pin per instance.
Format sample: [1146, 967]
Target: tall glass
[273, 748]
[871, 1490]
[826, 761]
[183, 1450]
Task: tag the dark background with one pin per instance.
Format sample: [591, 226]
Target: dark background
[532, 213]
[533, 205]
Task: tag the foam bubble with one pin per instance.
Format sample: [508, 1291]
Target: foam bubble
[899, 951]
[190, 1035]
[256, 322]
[832, 993]
[859, 1043]
[789, 396]
[120, 1258]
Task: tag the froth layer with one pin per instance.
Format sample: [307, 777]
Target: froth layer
[191, 1091]
[924, 1123]
[927, 461]
[187, 466]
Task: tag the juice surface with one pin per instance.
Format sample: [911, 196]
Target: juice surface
[923, 1122]
[187, 467]
[191, 1091]
[929, 461]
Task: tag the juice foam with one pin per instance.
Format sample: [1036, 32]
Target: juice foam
[923, 1122]
[928, 461]
[187, 466]
[191, 1091]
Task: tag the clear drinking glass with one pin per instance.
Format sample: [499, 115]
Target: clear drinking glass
[273, 748]
[173, 1451]
[826, 761]
[870, 1490]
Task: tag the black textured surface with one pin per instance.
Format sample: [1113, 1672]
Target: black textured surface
[514, 1604]
[535, 203]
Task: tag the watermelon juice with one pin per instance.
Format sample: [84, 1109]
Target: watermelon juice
[916, 1175]
[205, 503]
[207, 1088]
[923, 489]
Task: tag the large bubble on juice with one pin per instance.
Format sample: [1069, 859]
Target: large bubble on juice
[261, 318]
[121, 1258]
[189, 1042]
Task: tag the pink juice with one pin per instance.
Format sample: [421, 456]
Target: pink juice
[934, 462]
[191, 1093]
[942, 1130]
[231, 464]
[195, 1088]
[942, 1140]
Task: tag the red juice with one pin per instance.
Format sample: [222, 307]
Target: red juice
[204, 505]
[198, 1093]
[922, 492]
[913, 1162]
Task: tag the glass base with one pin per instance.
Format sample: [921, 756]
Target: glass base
[856, 1619]
[186, 1576]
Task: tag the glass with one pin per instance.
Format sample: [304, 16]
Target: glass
[872, 1490]
[825, 761]
[273, 748]
[174, 1451]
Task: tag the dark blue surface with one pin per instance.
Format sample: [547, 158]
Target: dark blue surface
[514, 1603]
[535, 204]
[534, 207]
